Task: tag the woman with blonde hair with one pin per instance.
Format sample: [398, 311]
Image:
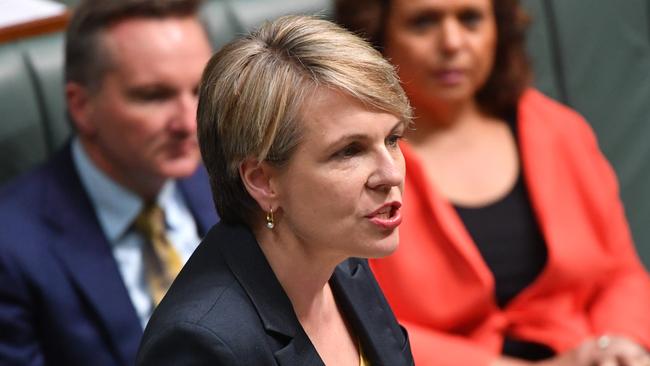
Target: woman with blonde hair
[514, 248]
[299, 126]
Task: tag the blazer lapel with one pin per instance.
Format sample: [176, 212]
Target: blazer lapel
[79, 243]
[446, 221]
[197, 194]
[248, 264]
[366, 309]
[299, 351]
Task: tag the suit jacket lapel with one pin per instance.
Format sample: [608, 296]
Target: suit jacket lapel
[299, 351]
[368, 313]
[196, 191]
[354, 287]
[249, 266]
[79, 243]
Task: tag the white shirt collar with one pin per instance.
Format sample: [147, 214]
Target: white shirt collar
[115, 205]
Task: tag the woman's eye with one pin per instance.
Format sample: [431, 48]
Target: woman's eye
[348, 151]
[393, 140]
[471, 18]
[423, 22]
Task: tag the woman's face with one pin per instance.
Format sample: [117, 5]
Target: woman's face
[444, 49]
[341, 191]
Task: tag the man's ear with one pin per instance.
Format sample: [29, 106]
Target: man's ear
[78, 99]
[257, 178]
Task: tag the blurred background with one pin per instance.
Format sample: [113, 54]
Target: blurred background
[593, 55]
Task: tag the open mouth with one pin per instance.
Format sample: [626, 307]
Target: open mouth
[386, 212]
[388, 216]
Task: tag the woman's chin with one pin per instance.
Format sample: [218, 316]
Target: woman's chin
[385, 246]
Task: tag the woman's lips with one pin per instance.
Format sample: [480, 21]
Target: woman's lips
[388, 216]
[450, 77]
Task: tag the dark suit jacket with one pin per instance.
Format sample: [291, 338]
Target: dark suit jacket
[62, 299]
[227, 308]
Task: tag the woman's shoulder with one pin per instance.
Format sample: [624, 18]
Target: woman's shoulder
[544, 115]
[214, 301]
[210, 319]
[207, 297]
[212, 333]
[534, 103]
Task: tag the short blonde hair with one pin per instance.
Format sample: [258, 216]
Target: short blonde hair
[253, 91]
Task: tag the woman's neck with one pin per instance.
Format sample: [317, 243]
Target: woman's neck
[436, 120]
[303, 274]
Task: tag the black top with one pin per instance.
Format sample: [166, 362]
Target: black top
[508, 236]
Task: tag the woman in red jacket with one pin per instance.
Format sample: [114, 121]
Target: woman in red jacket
[514, 248]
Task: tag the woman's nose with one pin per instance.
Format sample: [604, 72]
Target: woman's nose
[389, 171]
[451, 35]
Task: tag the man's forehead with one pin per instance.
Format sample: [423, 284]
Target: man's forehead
[142, 45]
[144, 35]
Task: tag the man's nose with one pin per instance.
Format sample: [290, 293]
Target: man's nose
[184, 118]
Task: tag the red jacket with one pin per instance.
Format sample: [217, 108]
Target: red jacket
[593, 282]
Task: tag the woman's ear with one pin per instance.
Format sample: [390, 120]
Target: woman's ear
[257, 178]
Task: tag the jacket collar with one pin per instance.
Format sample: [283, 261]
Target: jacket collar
[352, 283]
[369, 314]
[79, 243]
[251, 269]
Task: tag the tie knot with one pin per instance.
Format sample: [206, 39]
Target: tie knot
[151, 221]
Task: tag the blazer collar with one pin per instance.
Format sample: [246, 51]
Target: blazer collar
[79, 243]
[251, 269]
[354, 288]
[367, 311]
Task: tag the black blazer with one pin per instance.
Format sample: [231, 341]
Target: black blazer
[227, 308]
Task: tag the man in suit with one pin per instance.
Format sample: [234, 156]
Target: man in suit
[91, 240]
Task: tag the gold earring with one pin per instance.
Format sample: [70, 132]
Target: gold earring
[270, 223]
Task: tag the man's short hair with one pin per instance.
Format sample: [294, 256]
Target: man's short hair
[86, 58]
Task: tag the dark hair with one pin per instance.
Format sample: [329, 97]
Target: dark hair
[86, 61]
[511, 71]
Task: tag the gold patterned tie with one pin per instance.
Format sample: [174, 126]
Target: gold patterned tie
[162, 262]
